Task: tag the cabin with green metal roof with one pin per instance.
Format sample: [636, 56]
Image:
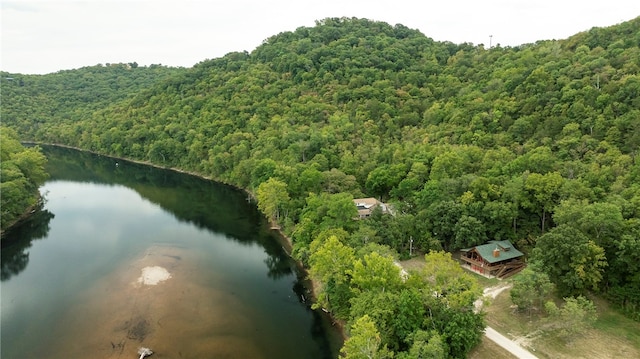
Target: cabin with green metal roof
[497, 258]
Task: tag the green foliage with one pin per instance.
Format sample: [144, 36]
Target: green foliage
[601, 222]
[323, 212]
[531, 287]
[466, 143]
[31, 101]
[383, 179]
[408, 316]
[379, 306]
[21, 173]
[462, 331]
[272, 196]
[624, 273]
[364, 341]
[398, 232]
[449, 294]
[544, 190]
[376, 273]
[444, 216]
[469, 232]
[447, 280]
[426, 345]
[573, 262]
[397, 314]
[576, 315]
[331, 262]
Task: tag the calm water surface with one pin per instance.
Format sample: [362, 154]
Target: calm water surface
[70, 276]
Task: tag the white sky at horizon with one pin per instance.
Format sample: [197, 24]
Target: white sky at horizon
[45, 36]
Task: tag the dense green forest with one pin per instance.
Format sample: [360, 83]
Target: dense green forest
[21, 173]
[536, 143]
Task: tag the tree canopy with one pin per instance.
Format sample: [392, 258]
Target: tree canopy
[21, 173]
[536, 143]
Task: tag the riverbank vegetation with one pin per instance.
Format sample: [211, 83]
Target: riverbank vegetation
[537, 144]
[21, 173]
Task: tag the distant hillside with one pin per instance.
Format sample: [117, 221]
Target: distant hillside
[468, 143]
[71, 95]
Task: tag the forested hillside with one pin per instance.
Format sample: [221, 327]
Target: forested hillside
[468, 143]
[71, 95]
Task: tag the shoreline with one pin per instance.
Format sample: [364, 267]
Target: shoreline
[285, 240]
[313, 285]
[28, 213]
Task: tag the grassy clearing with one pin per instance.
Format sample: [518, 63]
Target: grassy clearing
[613, 335]
[416, 263]
[487, 349]
[614, 323]
[487, 282]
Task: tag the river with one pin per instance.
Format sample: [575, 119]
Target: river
[73, 275]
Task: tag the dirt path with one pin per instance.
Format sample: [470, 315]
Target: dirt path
[506, 343]
[490, 292]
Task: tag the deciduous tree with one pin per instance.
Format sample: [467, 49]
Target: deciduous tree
[545, 191]
[331, 263]
[574, 317]
[573, 262]
[376, 273]
[445, 279]
[530, 289]
[364, 341]
[272, 197]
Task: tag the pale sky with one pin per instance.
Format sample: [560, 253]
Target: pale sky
[44, 36]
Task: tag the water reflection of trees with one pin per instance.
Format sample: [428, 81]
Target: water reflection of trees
[17, 241]
[206, 204]
[279, 266]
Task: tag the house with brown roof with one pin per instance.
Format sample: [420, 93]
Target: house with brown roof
[496, 258]
[367, 205]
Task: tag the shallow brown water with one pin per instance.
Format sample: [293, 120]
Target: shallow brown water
[119, 314]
